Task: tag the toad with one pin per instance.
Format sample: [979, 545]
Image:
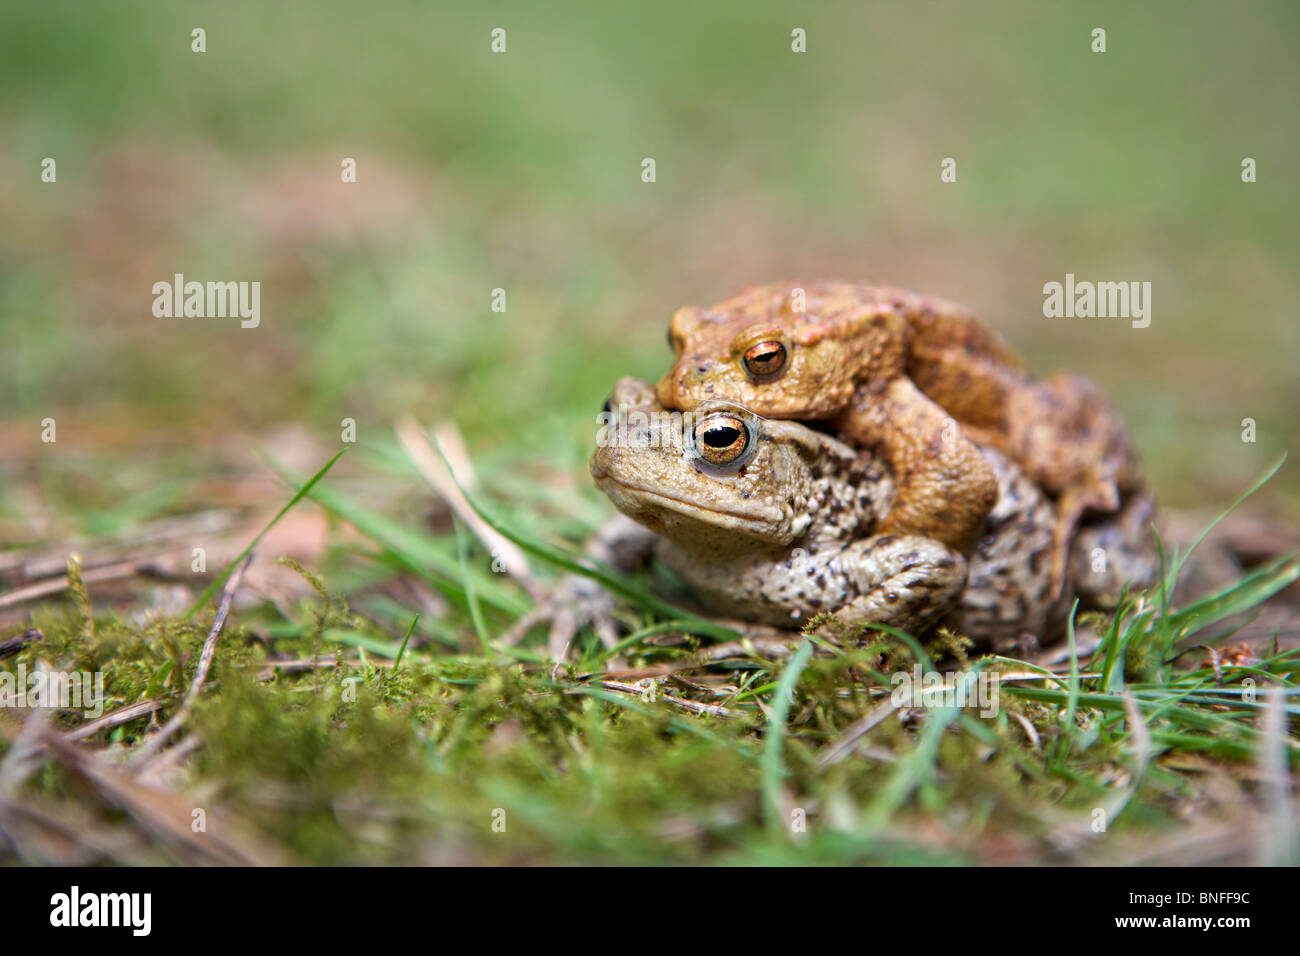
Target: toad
[919, 381]
[773, 522]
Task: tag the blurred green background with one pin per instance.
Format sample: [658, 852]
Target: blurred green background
[522, 171]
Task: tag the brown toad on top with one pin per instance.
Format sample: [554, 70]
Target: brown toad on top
[918, 380]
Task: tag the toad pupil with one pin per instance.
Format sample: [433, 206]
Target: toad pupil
[721, 436]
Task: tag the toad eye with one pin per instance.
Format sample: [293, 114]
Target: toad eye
[722, 440]
[765, 359]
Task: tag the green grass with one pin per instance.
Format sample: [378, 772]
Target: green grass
[413, 763]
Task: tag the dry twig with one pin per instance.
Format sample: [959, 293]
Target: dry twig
[155, 743]
[126, 569]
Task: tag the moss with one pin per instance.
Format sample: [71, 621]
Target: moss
[465, 758]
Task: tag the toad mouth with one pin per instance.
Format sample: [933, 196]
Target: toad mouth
[757, 518]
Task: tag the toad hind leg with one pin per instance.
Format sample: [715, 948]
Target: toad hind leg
[944, 487]
[1116, 550]
[1075, 447]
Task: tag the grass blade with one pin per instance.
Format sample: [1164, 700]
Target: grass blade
[298, 496]
[772, 764]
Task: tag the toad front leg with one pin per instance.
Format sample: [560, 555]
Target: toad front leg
[945, 488]
[576, 601]
[906, 582]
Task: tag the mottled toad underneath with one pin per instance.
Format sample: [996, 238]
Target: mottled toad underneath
[773, 522]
